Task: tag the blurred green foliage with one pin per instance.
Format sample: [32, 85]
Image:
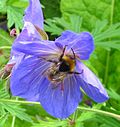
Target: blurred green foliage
[101, 18]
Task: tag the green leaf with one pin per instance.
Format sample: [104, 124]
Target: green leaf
[89, 10]
[114, 94]
[3, 7]
[18, 3]
[116, 11]
[3, 93]
[16, 110]
[86, 116]
[114, 71]
[109, 44]
[3, 119]
[110, 32]
[52, 8]
[107, 36]
[52, 27]
[5, 38]
[51, 123]
[57, 25]
[107, 121]
[14, 16]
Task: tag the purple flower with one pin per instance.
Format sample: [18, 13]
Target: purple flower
[32, 30]
[52, 72]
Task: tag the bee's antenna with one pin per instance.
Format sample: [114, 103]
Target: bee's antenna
[73, 53]
[63, 53]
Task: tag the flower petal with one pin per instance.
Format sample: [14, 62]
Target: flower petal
[28, 33]
[37, 48]
[60, 103]
[34, 13]
[82, 44]
[25, 80]
[91, 84]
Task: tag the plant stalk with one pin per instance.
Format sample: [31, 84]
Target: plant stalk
[108, 53]
[80, 107]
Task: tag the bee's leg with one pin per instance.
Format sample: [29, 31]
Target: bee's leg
[74, 72]
[60, 59]
[52, 61]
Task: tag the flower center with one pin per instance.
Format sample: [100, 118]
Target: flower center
[59, 70]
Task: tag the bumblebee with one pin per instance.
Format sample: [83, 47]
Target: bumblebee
[61, 68]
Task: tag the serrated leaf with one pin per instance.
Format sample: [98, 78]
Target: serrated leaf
[3, 6]
[114, 94]
[16, 110]
[5, 38]
[99, 27]
[51, 123]
[57, 25]
[109, 44]
[107, 36]
[107, 121]
[3, 119]
[14, 16]
[18, 3]
[52, 27]
[89, 10]
[86, 116]
[3, 93]
[110, 32]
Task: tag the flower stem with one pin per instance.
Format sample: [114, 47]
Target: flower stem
[13, 121]
[5, 47]
[100, 112]
[14, 117]
[17, 101]
[75, 115]
[108, 53]
[80, 107]
[107, 68]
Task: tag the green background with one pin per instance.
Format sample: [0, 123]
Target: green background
[102, 19]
